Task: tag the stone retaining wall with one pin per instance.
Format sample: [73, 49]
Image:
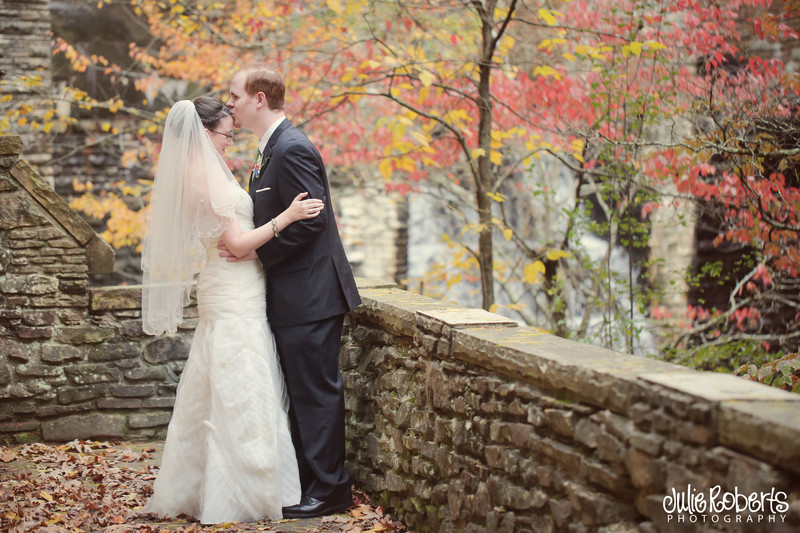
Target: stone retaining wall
[74, 362]
[460, 420]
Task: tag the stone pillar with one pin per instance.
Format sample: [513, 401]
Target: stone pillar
[374, 228]
[25, 75]
[671, 252]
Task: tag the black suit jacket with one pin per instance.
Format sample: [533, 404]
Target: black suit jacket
[308, 275]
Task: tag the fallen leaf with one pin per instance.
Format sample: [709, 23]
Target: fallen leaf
[91, 486]
[336, 518]
[7, 455]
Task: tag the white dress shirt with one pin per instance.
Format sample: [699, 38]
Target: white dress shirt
[262, 144]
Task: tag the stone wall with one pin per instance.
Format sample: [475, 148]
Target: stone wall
[460, 420]
[73, 360]
[374, 229]
[25, 41]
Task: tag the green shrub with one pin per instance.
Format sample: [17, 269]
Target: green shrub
[783, 373]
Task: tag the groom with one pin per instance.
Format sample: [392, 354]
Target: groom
[310, 287]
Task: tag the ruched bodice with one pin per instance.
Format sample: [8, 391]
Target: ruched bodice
[232, 289]
[228, 455]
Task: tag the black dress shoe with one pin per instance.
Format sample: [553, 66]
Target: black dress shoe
[311, 507]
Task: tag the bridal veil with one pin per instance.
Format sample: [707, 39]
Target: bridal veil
[192, 202]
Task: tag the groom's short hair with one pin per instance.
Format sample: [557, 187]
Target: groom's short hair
[264, 78]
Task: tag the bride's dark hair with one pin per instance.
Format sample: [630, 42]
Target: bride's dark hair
[211, 111]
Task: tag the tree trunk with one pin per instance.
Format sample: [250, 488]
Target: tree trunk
[485, 251]
[484, 180]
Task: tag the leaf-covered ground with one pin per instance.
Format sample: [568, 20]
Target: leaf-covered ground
[101, 486]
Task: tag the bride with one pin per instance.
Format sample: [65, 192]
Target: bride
[228, 454]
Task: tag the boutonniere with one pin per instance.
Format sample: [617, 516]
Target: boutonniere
[257, 167]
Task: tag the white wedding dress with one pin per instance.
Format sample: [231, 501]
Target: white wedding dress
[228, 455]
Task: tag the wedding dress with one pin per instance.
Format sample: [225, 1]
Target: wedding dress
[228, 454]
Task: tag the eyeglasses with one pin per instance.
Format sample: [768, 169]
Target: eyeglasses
[228, 135]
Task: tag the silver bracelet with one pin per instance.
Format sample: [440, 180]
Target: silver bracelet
[275, 231]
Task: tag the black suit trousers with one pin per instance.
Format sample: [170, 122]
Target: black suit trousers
[309, 356]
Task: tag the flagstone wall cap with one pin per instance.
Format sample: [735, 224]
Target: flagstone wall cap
[396, 309]
[100, 255]
[467, 317]
[763, 428]
[52, 202]
[716, 386]
[373, 283]
[10, 145]
[593, 374]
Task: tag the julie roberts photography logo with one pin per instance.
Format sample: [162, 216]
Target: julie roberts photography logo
[720, 506]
